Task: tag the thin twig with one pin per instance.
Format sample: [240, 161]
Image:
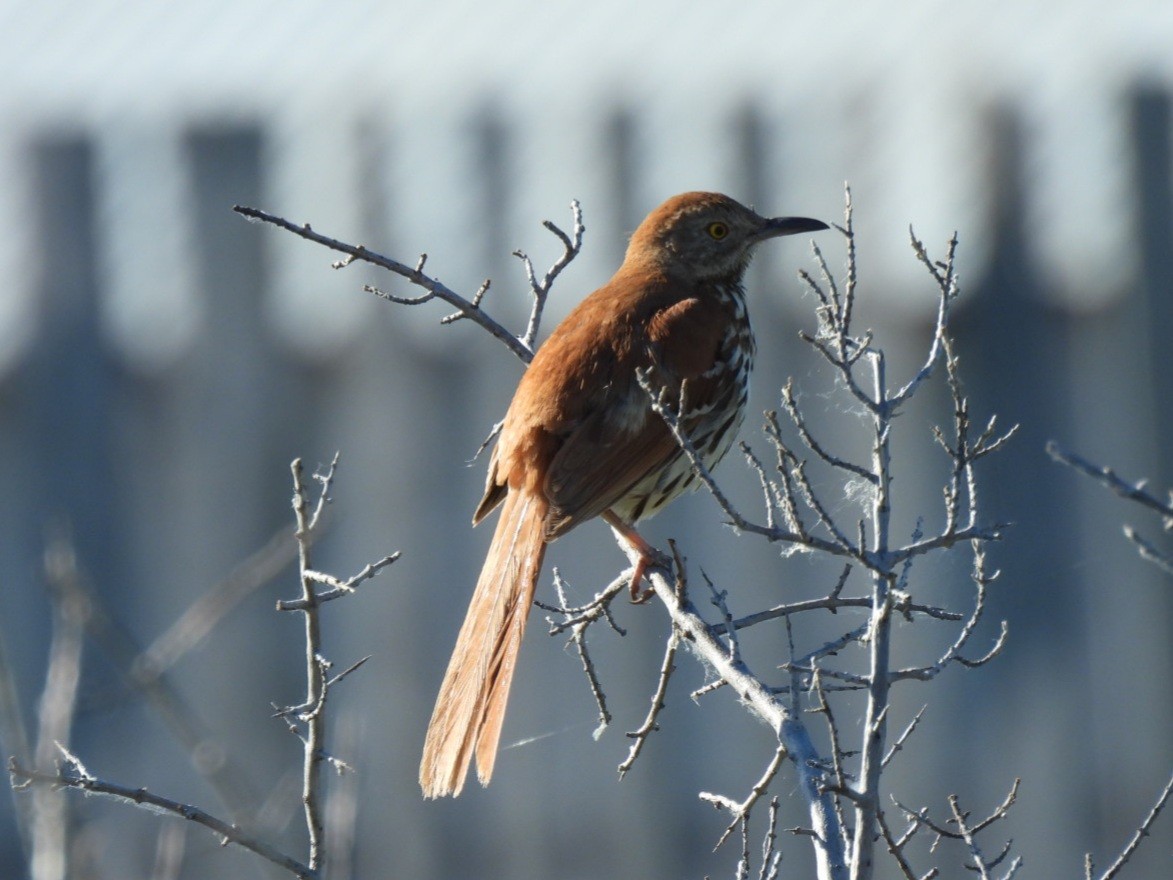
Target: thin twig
[898, 745]
[572, 246]
[597, 608]
[838, 754]
[415, 275]
[740, 810]
[1148, 551]
[769, 494]
[1108, 478]
[771, 857]
[338, 587]
[1140, 834]
[947, 282]
[662, 407]
[578, 639]
[968, 833]
[640, 735]
[787, 498]
[314, 716]
[720, 604]
[921, 816]
[791, 404]
[896, 848]
[953, 653]
[1131, 491]
[805, 664]
[49, 836]
[311, 714]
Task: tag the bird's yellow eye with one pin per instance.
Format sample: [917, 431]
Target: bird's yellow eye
[718, 230]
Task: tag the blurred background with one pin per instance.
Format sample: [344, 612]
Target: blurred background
[162, 361]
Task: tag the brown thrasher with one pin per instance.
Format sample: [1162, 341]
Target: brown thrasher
[581, 440]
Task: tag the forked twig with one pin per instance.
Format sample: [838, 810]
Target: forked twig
[740, 810]
[522, 345]
[640, 735]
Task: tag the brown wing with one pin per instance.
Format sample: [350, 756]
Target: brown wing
[597, 466]
[620, 440]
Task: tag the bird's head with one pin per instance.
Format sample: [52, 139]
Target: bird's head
[708, 235]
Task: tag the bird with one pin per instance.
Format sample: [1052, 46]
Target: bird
[581, 440]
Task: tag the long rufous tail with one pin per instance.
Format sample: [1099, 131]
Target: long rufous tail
[471, 704]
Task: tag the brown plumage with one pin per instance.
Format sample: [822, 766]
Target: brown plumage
[580, 439]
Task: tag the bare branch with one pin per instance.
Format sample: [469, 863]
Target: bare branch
[665, 409]
[792, 410]
[806, 663]
[707, 688]
[572, 245]
[811, 497]
[771, 857]
[968, 833]
[435, 289]
[315, 717]
[338, 587]
[769, 495]
[787, 496]
[947, 540]
[598, 607]
[349, 669]
[311, 713]
[921, 816]
[740, 811]
[1108, 478]
[71, 774]
[1131, 491]
[896, 848]
[947, 282]
[325, 483]
[720, 604]
[48, 839]
[953, 653]
[476, 302]
[1141, 833]
[842, 353]
[1148, 551]
[640, 735]
[898, 745]
[487, 442]
[789, 728]
[838, 754]
[578, 639]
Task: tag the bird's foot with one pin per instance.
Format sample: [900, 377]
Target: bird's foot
[648, 556]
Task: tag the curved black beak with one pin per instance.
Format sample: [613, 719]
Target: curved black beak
[777, 226]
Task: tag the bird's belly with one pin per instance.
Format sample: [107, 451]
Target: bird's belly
[711, 435]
